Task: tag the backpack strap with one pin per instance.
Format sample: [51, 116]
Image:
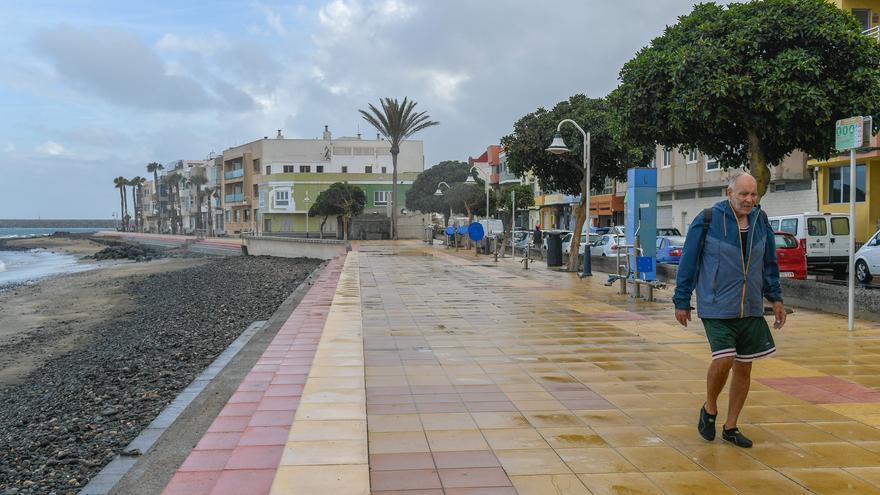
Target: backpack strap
[707, 219]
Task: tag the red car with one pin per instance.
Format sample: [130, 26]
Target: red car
[791, 257]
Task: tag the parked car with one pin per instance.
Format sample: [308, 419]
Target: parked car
[492, 226]
[823, 236]
[607, 245]
[545, 234]
[669, 249]
[566, 243]
[790, 256]
[668, 232]
[868, 259]
[594, 238]
[522, 239]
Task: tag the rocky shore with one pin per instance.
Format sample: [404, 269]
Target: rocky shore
[65, 420]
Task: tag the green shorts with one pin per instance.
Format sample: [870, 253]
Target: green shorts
[746, 339]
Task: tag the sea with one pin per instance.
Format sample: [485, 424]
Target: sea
[21, 267]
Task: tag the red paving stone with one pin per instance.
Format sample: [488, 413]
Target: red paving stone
[241, 451]
[823, 389]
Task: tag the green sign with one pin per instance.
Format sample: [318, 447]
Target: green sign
[848, 133]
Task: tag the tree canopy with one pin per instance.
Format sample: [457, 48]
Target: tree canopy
[468, 199]
[751, 82]
[421, 195]
[340, 199]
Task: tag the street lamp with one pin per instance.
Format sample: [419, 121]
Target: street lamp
[306, 201]
[470, 180]
[438, 192]
[558, 147]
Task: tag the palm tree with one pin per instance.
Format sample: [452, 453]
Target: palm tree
[198, 181]
[133, 183]
[140, 197]
[120, 184]
[154, 168]
[396, 122]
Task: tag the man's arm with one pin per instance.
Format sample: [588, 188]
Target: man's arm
[688, 266]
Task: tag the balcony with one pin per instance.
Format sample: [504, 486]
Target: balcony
[234, 198]
[234, 174]
[874, 32]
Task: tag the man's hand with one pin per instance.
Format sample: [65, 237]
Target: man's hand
[779, 311]
[684, 316]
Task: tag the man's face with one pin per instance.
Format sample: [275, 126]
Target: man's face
[744, 195]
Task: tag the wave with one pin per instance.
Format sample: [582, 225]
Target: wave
[2, 266]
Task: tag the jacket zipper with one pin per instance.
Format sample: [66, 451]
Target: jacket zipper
[745, 266]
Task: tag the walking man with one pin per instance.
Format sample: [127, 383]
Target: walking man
[730, 257]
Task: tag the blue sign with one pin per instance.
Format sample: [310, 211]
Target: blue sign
[645, 264]
[450, 230]
[462, 230]
[475, 231]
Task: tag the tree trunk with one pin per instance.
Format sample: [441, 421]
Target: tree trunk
[198, 207]
[210, 217]
[579, 220]
[158, 203]
[121, 210]
[394, 152]
[322, 226]
[179, 211]
[344, 227]
[758, 163]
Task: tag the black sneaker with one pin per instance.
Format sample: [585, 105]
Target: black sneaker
[706, 426]
[734, 436]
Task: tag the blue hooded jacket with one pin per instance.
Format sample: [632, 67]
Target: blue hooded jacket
[728, 285]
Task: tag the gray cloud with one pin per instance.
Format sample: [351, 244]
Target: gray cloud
[117, 66]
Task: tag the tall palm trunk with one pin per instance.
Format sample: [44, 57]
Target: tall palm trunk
[179, 210]
[198, 207]
[210, 216]
[121, 207]
[158, 201]
[134, 205]
[395, 150]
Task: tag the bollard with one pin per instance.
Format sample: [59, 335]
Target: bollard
[496, 255]
[650, 295]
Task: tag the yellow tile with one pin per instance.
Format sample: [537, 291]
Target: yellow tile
[538, 405]
[324, 452]
[869, 474]
[628, 436]
[595, 460]
[309, 480]
[489, 420]
[572, 437]
[330, 411]
[609, 417]
[353, 396]
[455, 440]
[721, 457]
[397, 442]
[519, 438]
[831, 481]
[328, 430]
[649, 459]
[393, 422]
[552, 419]
[850, 431]
[690, 483]
[787, 456]
[531, 461]
[620, 483]
[761, 482]
[799, 432]
[557, 484]
[448, 421]
[843, 454]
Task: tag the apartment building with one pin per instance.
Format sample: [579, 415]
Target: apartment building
[270, 184]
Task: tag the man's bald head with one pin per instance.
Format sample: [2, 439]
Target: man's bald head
[742, 191]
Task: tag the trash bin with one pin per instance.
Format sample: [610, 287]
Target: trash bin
[554, 248]
[486, 245]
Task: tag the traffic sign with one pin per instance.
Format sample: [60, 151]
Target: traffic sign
[848, 133]
[475, 231]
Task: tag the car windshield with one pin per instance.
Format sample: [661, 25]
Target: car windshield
[676, 241]
[786, 241]
[520, 235]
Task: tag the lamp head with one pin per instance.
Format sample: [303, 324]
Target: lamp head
[558, 147]
[438, 192]
[470, 180]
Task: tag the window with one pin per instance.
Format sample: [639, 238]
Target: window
[789, 225]
[864, 18]
[667, 158]
[344, 169]
[774, 225]
[666, 196]
[816, 226]
[384, 170]
[288, 169]
[653, 163]
[692, 156]
[282, 198]
[710, 193]
[368, 169]
[257, 165]
[712, 164]
[840, 226]
[381, 197]
[247, 215]
[304, 169]
[686, 194]
[319, 169]
[777, 187]
[268, 169]
[785, 241]
[838, 184]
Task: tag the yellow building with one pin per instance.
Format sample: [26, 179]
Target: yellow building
[833, 175]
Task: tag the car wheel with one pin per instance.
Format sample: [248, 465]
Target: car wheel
[862, 272]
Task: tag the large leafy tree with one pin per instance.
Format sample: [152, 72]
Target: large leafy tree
[396, 121]
[609, 154]
[339, 199]
[751, 82]
[421, 195]
[469, 199]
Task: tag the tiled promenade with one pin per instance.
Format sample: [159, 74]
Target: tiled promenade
[437, 372]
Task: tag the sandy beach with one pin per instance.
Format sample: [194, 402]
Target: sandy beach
[57, 312]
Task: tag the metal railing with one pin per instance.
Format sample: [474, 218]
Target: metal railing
[234, 174]
[234, 198]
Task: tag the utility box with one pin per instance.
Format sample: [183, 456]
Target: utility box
[641, 218]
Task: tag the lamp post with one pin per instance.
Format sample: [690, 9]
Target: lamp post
[306, 200]
[470, 180]
[439, 192]
[558, 147]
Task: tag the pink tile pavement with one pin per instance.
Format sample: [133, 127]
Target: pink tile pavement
[241, 451]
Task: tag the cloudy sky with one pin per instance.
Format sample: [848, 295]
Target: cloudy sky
[95, 89]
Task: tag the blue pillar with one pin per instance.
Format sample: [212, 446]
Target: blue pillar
[641, 215]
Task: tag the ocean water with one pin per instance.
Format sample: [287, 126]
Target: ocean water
[27, 266]
[6, 232]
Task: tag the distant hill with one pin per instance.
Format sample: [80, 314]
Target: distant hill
[47, 223]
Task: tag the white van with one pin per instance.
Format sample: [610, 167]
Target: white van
[492, 226]
[824, 237]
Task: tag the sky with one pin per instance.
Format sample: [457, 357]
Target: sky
[91, 90]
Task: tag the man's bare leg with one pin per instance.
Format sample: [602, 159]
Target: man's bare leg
[715, 380]
[739, 390]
